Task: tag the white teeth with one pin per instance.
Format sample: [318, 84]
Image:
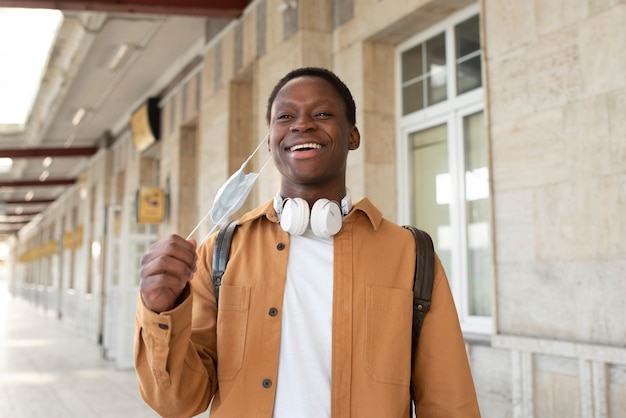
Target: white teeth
[303, 146]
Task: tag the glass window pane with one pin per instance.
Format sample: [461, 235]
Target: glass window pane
[413, 97]
[437, 87]
[467, 36]
[412, 66]
[436, 52]
[431, 192]
[468, 75]
[468, 65]
[436, 68]
[477, 204]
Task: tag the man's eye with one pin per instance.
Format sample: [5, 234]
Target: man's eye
[324, 114]
[283, 116]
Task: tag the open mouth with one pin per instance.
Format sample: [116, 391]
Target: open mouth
[305, 147]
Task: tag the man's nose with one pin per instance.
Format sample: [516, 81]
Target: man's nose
[302, 123]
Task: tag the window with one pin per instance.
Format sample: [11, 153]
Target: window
[443, 157]
[424, 75]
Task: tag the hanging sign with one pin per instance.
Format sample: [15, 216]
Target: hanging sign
[144, 124]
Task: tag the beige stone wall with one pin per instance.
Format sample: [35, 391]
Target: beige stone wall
[558, 137]
[175, 155]
[168, 149]
[558, 140]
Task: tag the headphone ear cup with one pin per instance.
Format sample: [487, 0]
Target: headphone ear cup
[326, 218]
[295, 216]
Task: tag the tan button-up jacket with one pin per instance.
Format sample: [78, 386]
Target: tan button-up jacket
[192, 354]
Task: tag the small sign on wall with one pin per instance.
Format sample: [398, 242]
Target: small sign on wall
[150, 205]
[68, 240]
[78, 237]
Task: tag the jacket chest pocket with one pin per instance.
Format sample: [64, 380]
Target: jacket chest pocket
[232, 326]
[389, 315]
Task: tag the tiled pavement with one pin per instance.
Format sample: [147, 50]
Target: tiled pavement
[48, 370]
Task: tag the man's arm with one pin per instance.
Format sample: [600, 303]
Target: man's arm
[174, 379]
[442, 377]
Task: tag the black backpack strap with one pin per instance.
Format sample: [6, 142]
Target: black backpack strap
[422, 286]
[221, 253]
[424, 278]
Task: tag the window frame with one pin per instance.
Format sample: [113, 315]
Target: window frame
[451, 112]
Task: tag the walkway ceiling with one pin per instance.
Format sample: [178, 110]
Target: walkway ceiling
[209, 8]
[50, 154]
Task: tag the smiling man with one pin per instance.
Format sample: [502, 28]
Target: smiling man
[315, 309]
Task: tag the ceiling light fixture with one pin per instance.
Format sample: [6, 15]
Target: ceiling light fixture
[70, 140]
[120, 56]
[46, 162]
[5, 165]
[29, 196]
[44, 175]
[78, 116]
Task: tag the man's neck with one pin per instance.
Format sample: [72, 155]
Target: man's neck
[313, 194]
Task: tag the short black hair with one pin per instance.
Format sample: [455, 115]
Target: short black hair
[327, 75]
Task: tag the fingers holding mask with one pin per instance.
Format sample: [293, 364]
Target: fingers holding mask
[165, 271]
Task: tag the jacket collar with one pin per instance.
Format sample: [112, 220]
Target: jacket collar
[362, 207]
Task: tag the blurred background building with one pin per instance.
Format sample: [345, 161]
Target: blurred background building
[497, 126]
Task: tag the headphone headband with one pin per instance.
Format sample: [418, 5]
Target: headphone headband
[345, 204]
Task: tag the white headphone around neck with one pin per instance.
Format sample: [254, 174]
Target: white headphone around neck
[325, 217]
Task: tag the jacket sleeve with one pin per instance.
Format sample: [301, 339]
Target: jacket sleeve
[441, 375]
[174, 360]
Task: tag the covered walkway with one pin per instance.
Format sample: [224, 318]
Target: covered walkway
[49, 370]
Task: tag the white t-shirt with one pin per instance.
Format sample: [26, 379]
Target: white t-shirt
[304, 365]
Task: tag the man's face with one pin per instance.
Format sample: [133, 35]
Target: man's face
[310, 135]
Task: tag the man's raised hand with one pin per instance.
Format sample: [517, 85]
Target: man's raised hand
[165, 272]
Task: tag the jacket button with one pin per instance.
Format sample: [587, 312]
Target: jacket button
[280, 246]
[273, 312]
[267, 383]
[163, 326]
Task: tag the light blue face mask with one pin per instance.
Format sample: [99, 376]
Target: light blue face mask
[232, 195]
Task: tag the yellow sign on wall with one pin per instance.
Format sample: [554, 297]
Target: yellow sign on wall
[51, 247]
[78, 237]
[68, 240]
[150, 205]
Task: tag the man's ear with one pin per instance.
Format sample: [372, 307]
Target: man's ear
[355, 139]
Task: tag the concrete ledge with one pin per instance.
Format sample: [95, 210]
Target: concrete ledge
[602, 353]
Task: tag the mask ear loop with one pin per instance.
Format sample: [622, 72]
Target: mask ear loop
[227, 214]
